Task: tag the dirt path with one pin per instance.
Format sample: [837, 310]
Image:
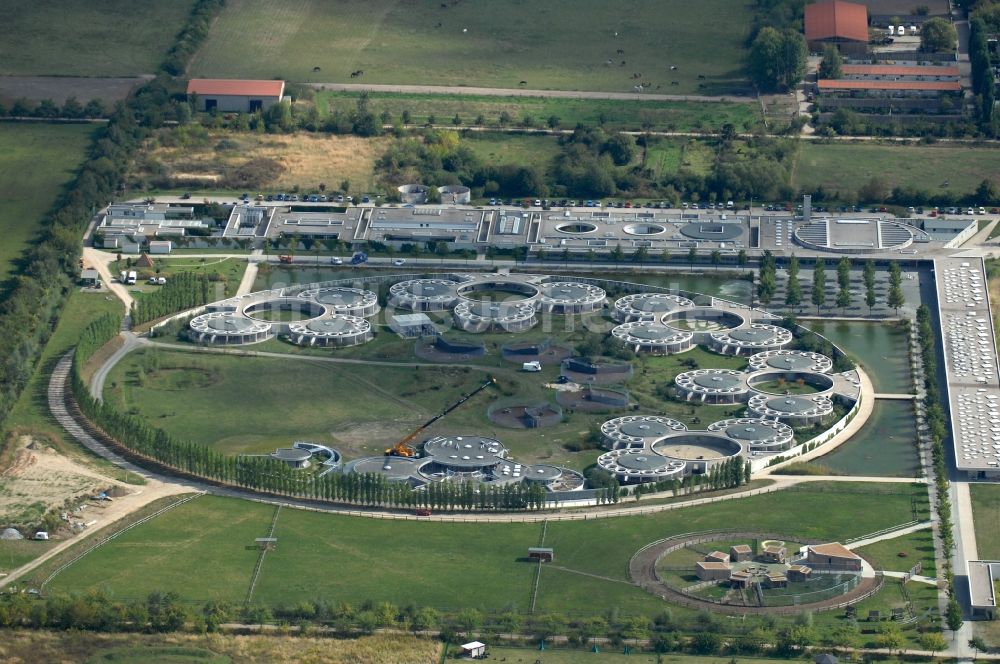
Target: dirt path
[100, 261]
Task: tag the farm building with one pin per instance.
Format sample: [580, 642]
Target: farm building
[777, 580]
[833, 556]
[739, 579]
[412, 325]
[160, 246]
[717, 557]
[799, 573]
[89, 276]
[234, 95]
[474, 649]
[740, 553]
[842, 24]
[712, 571]
[774, 554]
[541, 554]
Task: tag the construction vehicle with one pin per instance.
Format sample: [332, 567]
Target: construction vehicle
[285, 258]
[403, 448]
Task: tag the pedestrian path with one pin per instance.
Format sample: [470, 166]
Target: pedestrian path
[890, 535]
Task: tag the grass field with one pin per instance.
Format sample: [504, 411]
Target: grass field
[109, 38]
[324, 556]
[610, 114]
[986, 515]
[36, 161]
[938, 169]
[918, 547]
[560, 44]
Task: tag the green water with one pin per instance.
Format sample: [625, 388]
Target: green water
[881, 348]
[883, 448]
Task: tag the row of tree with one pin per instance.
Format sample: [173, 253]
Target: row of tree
[767, 283]
[182, 291]
[46, 108]
[983, 81]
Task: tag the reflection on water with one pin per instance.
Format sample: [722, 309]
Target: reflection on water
[881, 348]
[884, 447]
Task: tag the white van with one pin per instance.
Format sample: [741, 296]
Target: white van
[132, 276]
[531, 366]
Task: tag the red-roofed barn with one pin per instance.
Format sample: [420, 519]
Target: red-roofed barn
[843, 24]
[234, 95]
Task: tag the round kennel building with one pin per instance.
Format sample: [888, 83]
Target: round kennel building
[699, 450]
[636, 467]
[540, 473]
[424, 294]
[394, 469]
[567, 297]
[636, 431]
[228, 328]
[758, 435]
[413, 194]
[712, 231]
[484, 316]
[714, 386]
[775, 382]
[796, 411]
[646, 306]
[791, 360]
[462, 454]
[336, 331]
[455, 194]
[752, 339]
[702, 322]
[349, 301]
[653, 338]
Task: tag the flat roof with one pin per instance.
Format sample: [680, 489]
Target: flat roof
[900, 70]
[847, 84]
[235, 87]
[981, 583]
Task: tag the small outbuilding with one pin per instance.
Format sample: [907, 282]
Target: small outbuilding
[712, 571]
[541, 554]
[740, 553]
[739, 579]
[160, 246]
[825, 658]
[89, 276]
[777, 580]
[717, 557]
[833, 556]
[475, 649]
[412, 325]
[234, 95]
[774, 554]
[799, 573]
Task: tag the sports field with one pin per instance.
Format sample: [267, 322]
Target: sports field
[36, 162]
[72, 38]
[447, 565]
[937, 169]
[560, 44]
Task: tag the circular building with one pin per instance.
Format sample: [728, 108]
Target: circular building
[701, 322]
[781, 383]
[758, 435]
[797, 411]
[455, 194]
[337, 331]
[349, 301]
[714, 386]
[566, 297]
[292, 457]
[653, 338]
[634, 467]
[646, 306]
[854, 236]
[227, 327]
[637, 431]
[712, 231]
[746, 340]
[462, 455]
[424, 294]
[791, 360]
[698, 450]
[541, 474]
[413, 194]
[393, 469]
[487, 316]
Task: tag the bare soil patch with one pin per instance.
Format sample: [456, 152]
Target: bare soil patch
[61, 88]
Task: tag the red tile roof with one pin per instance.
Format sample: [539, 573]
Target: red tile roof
[898, 70]
[845, 84]
[235, 87]
[827, 20]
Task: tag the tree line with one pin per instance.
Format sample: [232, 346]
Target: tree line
[182, 291]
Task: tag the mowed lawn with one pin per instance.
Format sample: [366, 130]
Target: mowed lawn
[559, 44]
[73, 38]
[36, 162]
[938, 169]
[200, 551]
[986, 516]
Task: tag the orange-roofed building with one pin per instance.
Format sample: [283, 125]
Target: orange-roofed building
[235, 95]
[842, 24]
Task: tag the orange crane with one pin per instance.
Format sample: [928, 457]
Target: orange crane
[403, 447]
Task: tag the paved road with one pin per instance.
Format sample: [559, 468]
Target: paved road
[131, 342]
[524, 92]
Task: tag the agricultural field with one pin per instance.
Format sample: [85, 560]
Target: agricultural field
[937, 169]
[986, 516]
[325, 556]
[612, 115]
[564, 44]
[109, 38]
[36, 162]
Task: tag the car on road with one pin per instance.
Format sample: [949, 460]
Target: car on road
[399, 261]
[336, 260]
[185, 196]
